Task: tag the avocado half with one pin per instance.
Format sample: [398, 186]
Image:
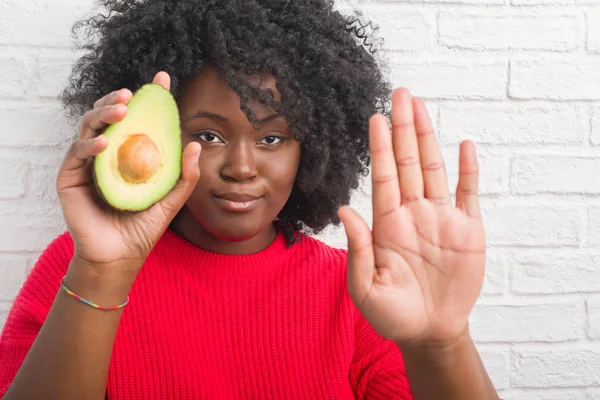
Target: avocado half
[142, 162]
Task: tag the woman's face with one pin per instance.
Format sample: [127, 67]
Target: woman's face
[247, 175]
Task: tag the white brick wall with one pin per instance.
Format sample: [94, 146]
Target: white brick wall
[493, 30]
[563, 366]
[519, 77]
[565, 78]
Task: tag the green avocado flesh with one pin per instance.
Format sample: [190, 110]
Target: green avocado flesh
[151, 114]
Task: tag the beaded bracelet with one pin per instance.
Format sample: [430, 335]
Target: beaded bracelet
[89, 303]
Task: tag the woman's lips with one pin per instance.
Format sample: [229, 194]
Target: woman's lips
[237, 206]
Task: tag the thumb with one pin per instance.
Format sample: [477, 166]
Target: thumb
[190, 173]
[361, 258]
[163, 79]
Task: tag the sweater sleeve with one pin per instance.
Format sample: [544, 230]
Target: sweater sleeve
[31, 307]
[377, 370]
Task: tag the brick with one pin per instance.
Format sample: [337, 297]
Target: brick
[546, 395]
[496, 281]
[542, 2]
[39, 125]
[54, 74]
[33, 155]
[497, 363]
[447, 79]
[414, 33]
[593, 394]
[595, 137]
[555, 79]
[593, 309]
[482, 2]
[545, 226]
[40, 23]
[12, 178]
[16, 75]
[342, 5]
[550, 272]
[594, 226]
[493, 170]
[593, 32]
[528, 322]
[13, 270]
[30, 207]
[41, 183]
[514, 124]
[509, 30]
[554, 174]
[28, 235]
[561, 367]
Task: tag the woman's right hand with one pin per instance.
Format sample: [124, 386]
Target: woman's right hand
[107, 240]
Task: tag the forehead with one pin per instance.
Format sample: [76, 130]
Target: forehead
[210, 91]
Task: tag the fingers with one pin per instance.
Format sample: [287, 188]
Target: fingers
[190, 171]
[467, 198]
[419, 161]
[163, 79]
[190, 174]
[94, 121]
[384, 175]
[81, 151]
[361, 261]
[118, 96]
[406, 147]
[432, 164]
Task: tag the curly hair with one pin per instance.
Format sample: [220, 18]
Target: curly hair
[324, 64]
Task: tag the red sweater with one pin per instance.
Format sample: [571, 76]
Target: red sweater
[277, 324]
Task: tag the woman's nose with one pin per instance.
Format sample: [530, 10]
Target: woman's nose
[240, 164]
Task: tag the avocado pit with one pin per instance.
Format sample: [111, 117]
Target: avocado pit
[139, 159]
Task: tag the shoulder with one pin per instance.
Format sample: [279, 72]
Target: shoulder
[315, 251]
[39, 289]
[50, 267]
[317, 247]
[54, 260]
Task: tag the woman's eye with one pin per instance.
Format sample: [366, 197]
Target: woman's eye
[271, 140]
[209, 137]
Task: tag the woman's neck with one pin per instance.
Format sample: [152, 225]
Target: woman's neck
[186, 226]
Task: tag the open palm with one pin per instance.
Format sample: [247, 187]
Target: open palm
[416, 276]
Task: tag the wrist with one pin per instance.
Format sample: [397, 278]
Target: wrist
[107, 286]
[441, 350]
[125, 269]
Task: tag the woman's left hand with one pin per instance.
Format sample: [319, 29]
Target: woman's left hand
[416, 276]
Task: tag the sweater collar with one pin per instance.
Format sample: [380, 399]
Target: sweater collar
[272, 255]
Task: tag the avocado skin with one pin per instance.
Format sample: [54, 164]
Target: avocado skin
[97, 172]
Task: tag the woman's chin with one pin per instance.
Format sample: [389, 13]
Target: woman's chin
[231, 238]
[236, 235]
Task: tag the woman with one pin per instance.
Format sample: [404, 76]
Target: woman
[217, 291]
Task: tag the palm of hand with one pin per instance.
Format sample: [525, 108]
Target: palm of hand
[416, 276]
[125, 236]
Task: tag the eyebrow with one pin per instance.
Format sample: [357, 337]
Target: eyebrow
[206, 114]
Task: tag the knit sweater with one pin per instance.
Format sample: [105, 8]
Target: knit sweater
[277, 324]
